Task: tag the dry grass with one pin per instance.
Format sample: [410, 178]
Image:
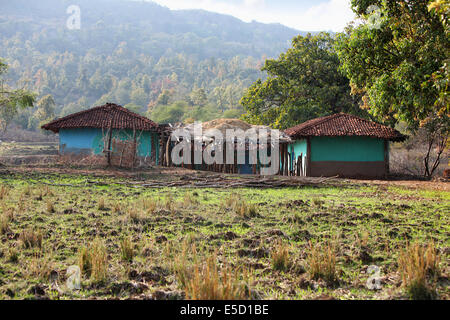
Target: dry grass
[40, 267]
[241, 207]
[321, 262]
[149, 205]
[4, 191]
[210, 283]
[6, 217]
[13, 255]
[31, 238]
[127, 249]
[169, 203]
[93, 260]
[189, 200]
[117, 208]
[416, 264]
[27, 191]
[134, 215]
[49, 207]
[280, 256]
[182, 262]
[101, 204]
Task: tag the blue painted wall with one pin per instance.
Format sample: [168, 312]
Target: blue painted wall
[90, 141]
[86, 140]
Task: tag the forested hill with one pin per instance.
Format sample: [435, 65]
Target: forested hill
[176, 64]
[146, 27]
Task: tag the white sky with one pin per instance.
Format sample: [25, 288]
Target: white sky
[305, 15]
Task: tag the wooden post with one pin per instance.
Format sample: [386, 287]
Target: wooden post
[308, 158]
[286, 161]
[109, 142]
[153, 146]
[133, 159]
[386, 158]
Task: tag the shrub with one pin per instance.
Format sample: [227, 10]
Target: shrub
[321, 262]
[280, 256]
[415, 264]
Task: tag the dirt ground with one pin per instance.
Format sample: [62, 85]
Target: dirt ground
[170, 175]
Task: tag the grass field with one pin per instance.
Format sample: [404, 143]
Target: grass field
[314, 242]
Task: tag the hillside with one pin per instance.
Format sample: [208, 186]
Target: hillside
[179, 64]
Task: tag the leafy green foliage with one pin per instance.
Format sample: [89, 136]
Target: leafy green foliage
[399, 66]
[11, 100]
[142, 55]
[303, 83]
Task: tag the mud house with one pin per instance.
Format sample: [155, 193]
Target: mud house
[110, 133]
[341, 144]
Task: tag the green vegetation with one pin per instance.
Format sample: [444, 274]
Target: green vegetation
[303, 83]
[399, 64]
[183, 243]
[169, 65]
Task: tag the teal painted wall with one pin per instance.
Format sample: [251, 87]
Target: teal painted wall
[90, 141]
[296, 149]
[347, 149]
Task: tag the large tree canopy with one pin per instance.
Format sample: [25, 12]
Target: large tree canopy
[302, 84]
[397, 60]
[393, 61]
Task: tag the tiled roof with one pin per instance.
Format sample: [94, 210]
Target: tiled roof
[107, 116]
[340, 124]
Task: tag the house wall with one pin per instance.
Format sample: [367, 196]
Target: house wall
[347, 157]
[347, 149]
[90, 141]
[296, 149]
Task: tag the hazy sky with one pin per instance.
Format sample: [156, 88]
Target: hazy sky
[307, 15]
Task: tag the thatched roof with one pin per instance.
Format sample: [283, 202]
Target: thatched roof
[232, 124]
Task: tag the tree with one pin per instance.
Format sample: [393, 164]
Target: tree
[12, 100]
[198, 97]
[46, 108]
[302, 83]
[398, 62]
